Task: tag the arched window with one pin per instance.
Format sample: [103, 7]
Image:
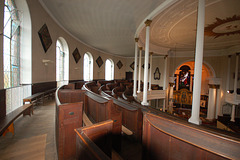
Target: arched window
[88, 67]
[17, 66]
[11, 45]
[62, 62]
[109, 70]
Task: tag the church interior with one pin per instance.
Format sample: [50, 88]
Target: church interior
[119, 80]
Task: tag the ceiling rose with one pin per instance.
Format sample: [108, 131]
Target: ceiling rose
[228, 26]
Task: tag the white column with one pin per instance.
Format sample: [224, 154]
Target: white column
[164, 83]
[135, 69]
[144, 102]
[139, 70]
[228, 72]
[235, 88]
[198, 64]
[150, 72]
[212, 101]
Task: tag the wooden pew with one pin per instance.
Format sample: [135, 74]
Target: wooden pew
[99, 109]
[6, 123]
[165, 138]
[70, 95]
[131, 117]
[68, 117]
[94, 142]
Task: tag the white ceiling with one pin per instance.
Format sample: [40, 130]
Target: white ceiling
[111, 25]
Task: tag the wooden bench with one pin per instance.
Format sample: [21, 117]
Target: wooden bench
[35, 98]
[169, 138]
[99, 109]
[6, 124]
[95, 141]
[70, 95]
[131, 118]
[68, 117]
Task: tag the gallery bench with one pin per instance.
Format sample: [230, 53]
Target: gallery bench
[95, 141]
[35, 98]
[6, 124]
[165, 138]
[99, 109]
[68, 117]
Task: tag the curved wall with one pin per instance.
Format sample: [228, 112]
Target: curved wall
[42, 73]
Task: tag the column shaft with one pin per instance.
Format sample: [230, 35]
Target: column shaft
[177, 82]
[139, 70]
[211, 103]
[235, 88]
[228, 72]
[135, 69]
[164, 83]
[150, 73]
[198, 64]
[144, 102]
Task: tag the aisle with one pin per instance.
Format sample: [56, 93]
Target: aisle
[34, 136]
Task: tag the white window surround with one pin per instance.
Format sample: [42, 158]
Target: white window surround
[62, 62]
[88, 67]
[109, 69]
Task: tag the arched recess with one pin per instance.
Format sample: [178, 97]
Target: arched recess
[207, 72]
[109, 69]
[87, 67]
[62, 61]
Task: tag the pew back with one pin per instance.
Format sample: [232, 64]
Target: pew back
[164, 138]
[95, 142]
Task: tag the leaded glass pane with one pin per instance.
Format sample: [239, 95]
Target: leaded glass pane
[6, 63]
[7, 80]
[8, 101]
[6, 48]
[11, 48]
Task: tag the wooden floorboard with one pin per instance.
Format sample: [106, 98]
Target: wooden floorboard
[34, 136]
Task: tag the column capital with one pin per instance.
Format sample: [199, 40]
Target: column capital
[148, 22]
[229, 56]
[150, 53]
[140, 48]
[136, 39]
[214, 86]
[165, 56]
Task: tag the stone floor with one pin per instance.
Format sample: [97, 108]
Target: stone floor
[42, 123]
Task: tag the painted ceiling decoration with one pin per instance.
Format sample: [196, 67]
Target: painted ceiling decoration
[222, 27]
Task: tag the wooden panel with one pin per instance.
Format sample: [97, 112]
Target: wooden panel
[69, 86]
[2, 103]
[167, 139]
[131, 117]
[42, 87]
[100, 109]
[69, 118]
[70, 96]
[95, 142]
